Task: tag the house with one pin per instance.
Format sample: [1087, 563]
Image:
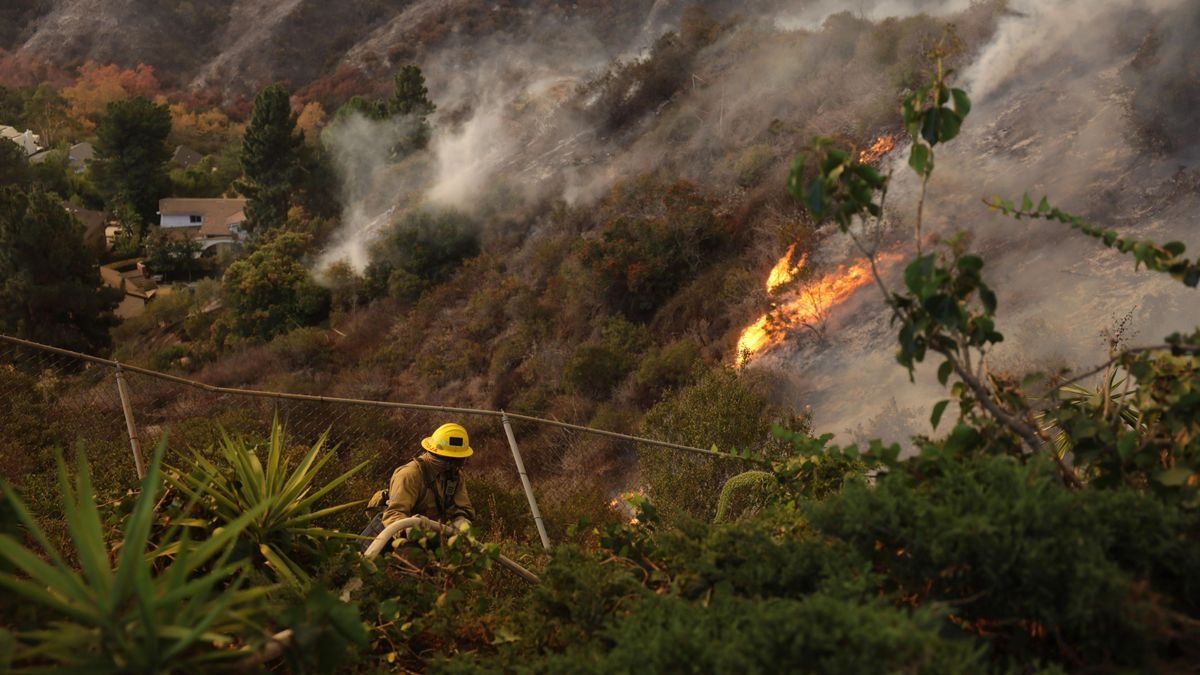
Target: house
[30, 142]
[94, 226]
[209, 221]
[185, 157]
[80, 155]
[130, 277]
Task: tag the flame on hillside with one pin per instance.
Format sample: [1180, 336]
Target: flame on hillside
[784, 270]
[808, 308]
[882, 146]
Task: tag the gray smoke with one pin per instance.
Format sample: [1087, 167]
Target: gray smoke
[1081, 100]
[1052, 116]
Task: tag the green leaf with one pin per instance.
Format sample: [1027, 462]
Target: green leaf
[814, 199]
[920, 158]
[931, 126]
[962, 102]
[943, 374]
[938, 409]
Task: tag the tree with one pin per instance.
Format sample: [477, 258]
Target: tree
[46, 112]
[411, 99]
[271, 159]
[50, 289]
[172, 257]
[271, 292]
[132, 154]
[14, 168]
[99, 85]
[12, 107]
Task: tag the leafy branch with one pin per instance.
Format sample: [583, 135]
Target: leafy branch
[1167, 258]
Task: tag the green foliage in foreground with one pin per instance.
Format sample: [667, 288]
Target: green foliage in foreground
[284, 533]
[131, 616]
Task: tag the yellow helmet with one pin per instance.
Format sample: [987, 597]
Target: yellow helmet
[450, 440]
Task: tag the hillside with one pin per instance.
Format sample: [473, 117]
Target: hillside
[885, 314]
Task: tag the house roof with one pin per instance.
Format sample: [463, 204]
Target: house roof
[185, 156]
[29, 141]
[93, 221]
[80, 154]
[217, 214]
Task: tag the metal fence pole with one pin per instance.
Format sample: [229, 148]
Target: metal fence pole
[130, 427]
[533, 506]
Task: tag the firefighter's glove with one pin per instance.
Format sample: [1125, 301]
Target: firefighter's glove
[377, 499]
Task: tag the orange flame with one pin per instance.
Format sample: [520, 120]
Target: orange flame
[784, 271]
[882, 146]
[809, 308]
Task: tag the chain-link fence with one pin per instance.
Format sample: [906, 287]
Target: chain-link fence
[530, 479]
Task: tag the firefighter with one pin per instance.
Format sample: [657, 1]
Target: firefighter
[430, 485]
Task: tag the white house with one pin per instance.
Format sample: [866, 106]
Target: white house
[30, 142]
[208, 221]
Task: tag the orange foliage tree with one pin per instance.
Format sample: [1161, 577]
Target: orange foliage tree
[98, 85]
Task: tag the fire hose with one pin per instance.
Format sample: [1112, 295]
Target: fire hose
[279, 641]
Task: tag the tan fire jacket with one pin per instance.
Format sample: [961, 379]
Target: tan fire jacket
[416, 493]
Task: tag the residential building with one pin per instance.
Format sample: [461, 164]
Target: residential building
[80, 155]
[185, 157]
[130, 277]
[94, 224]
[30, 142]
[211, 222]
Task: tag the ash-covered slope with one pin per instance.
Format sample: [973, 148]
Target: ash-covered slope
[236, 46]
[1096, 124]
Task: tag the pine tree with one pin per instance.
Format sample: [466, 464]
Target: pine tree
[50, 288]
[272, 159]
[411, 99]
[132, 154]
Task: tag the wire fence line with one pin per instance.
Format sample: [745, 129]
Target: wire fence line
[57, 397]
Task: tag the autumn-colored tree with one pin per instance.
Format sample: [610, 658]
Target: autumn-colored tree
[207, 131]
[312, 117]
[99, 85]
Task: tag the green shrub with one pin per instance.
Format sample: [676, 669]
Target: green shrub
[271, 291]
[1028, 564]
[122, 612]
[304, 348]
[738, 635]
[753, 164]
[670, 367]
[421, 250]
[661, 237]
[594, 370]
[724, 408]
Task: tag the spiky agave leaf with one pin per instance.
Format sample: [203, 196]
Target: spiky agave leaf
[287, 496]
[130, 617]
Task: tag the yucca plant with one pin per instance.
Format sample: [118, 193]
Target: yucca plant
[143, 615]
[1111, 397]
[284, 498]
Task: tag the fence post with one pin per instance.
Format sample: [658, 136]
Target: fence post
[130, 427]
[537, 514]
